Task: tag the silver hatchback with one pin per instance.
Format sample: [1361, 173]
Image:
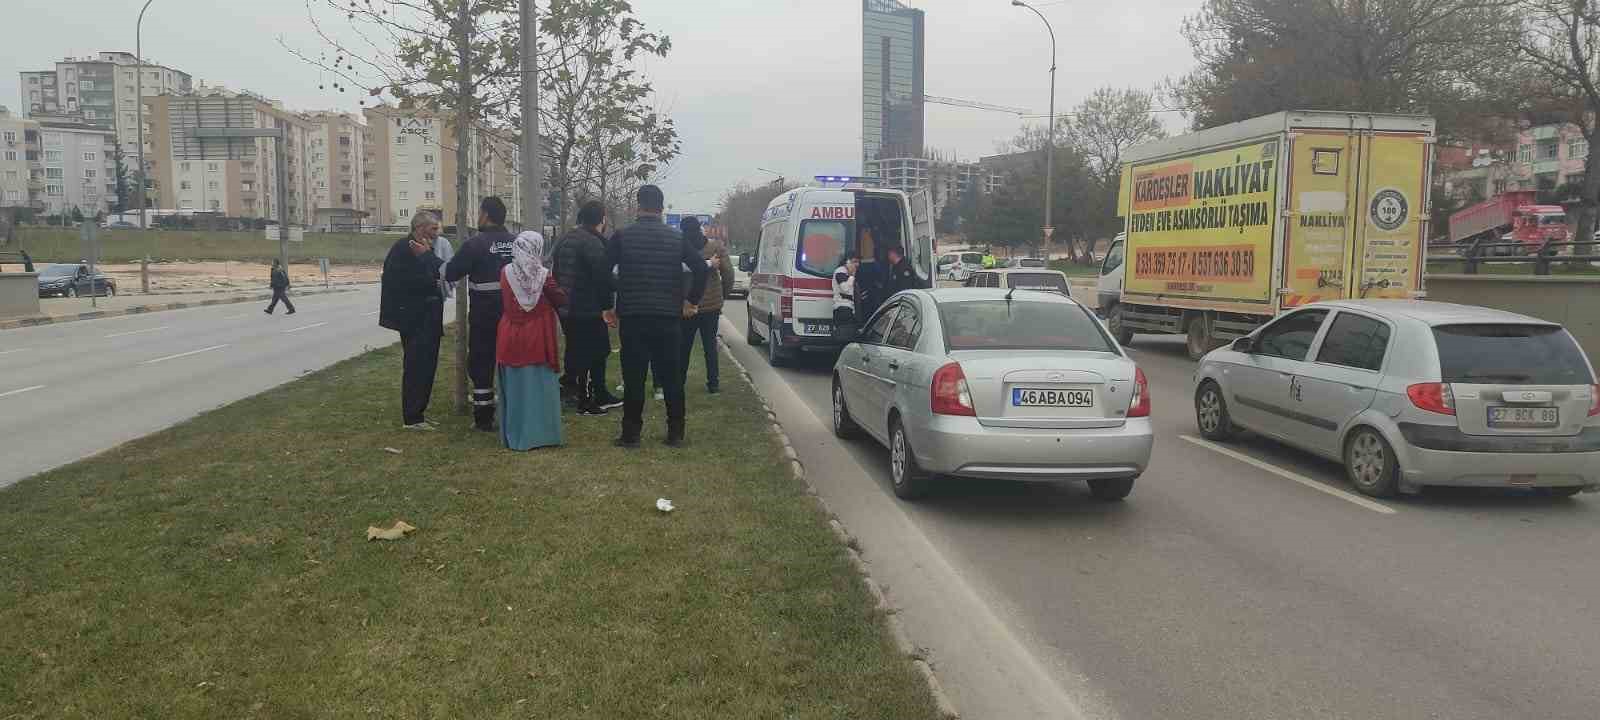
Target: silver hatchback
[1009, 385]
[1412, 393]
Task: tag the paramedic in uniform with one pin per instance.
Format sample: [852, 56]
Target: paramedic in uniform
[844, 289]
[479, 260]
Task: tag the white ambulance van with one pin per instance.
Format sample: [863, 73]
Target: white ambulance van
[806, 234]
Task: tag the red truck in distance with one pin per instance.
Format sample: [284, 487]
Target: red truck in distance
[1515, 212]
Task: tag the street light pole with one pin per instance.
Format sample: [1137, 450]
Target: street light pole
[138, 73]
[779, 176]
[1050, 133]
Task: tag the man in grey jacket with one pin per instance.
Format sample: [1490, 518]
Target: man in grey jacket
[651, 301]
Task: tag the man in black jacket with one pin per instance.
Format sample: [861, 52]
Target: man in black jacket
[650, 257]
[280, 289]
[413, 306]
[583, 270]
[479, 260]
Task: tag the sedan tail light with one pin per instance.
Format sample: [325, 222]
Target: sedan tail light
[1594, 401]
[951, 396]
[1139, 406]
[1432, 397]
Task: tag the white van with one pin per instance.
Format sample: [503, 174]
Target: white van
[806, 234]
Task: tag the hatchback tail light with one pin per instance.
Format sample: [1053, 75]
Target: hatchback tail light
[1594, 401]
[1433, 397]
[1139, 406]
[951, 396]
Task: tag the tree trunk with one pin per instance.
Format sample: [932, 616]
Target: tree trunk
[1590, 197]
[463, 40]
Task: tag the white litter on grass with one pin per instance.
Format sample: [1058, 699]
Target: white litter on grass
[664, 505]
[393, 451]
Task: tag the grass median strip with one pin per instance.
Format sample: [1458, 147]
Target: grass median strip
[221, 569]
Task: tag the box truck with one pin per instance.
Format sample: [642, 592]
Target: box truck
[1227, 227]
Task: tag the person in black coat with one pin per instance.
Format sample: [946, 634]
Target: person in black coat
[413, 305]
[280, 289]
[651, 300]
[583, 271]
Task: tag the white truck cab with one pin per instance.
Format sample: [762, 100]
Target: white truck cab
[806, 235]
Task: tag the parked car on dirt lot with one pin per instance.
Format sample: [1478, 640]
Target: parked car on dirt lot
[72, 280]
[1411, 393]
[995, 384]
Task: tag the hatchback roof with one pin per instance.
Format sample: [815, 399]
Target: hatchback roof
[1436, 313]
[962, 294]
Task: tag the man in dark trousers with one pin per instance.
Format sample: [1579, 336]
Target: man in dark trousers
[479, 260]
[650, 257]
[413, 306]
[583, 270]
[280, 289]
[719, 285]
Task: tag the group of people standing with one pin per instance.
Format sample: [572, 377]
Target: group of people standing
[648, 280]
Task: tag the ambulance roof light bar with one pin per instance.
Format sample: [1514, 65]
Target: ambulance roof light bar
[847, 181]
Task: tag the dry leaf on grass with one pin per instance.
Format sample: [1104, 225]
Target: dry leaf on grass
[397, 532]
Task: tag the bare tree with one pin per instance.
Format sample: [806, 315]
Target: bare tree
[1560, 46]
[740, 210]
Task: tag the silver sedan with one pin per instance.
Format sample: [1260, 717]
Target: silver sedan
[1410, 393]
[977, 383]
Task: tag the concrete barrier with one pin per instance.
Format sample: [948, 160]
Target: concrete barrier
[19, 294]
[1573, 301]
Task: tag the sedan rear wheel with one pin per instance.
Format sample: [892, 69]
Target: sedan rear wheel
[843, 425]
[910, 482]
[1370, 463]
[1211, 413]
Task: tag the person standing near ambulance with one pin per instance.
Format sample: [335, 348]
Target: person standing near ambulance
[480, 260]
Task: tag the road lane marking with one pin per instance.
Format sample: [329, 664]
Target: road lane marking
[304, 327]
[236, 317]
[20, 391]
[369, 314]
[8, 352]
[183, 354]
[136, 332]
[1372, 505]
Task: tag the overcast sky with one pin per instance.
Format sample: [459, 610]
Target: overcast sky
[768, 83]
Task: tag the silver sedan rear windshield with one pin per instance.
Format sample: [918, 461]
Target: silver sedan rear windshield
[1020, 324]
[1510, 354]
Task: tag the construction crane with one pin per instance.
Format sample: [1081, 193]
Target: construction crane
[973, 104]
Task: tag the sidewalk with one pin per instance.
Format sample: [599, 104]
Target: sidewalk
[59, 310]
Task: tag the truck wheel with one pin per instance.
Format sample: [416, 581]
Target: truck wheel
[1117, 325]
[1200, 338]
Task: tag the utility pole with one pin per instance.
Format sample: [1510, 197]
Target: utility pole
[463, 39]
[138, 61]
[532, 170]
[1050, 133]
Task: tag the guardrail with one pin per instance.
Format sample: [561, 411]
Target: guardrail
[1478, 252]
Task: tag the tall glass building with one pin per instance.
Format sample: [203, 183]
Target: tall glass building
[891, 81]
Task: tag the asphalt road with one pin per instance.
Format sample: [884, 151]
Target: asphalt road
[74, 389]
[1241, 582]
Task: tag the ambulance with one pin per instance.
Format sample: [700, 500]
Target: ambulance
[807, 234]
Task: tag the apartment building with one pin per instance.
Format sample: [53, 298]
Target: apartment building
[101, 91]
[241, 186]
[79, 167]
[946, 181]
[410, 165]
[19, 157]
[337, 167]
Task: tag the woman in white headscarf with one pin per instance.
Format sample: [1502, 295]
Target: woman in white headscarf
[528, 348]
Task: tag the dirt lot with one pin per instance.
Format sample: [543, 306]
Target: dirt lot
[167, 277]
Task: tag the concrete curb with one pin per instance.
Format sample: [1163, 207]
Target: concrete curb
[902, 641]
[37, 320]
[311, 289]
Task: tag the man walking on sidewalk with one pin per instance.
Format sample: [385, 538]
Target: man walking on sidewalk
[583, 270]
[650, 257]
[280, 289]
[480, 261]
[413, 306]
[719, 284]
